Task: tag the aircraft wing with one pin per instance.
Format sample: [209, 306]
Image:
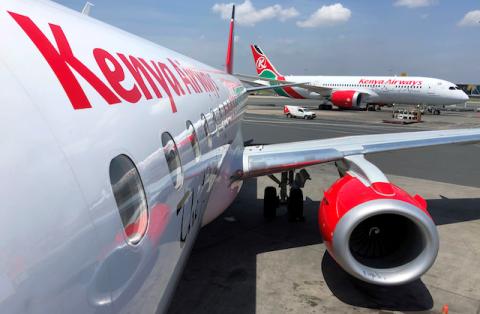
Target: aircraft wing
[264, 87]
[311, 86]
[268, 159]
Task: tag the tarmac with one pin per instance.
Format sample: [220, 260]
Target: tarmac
[243, 264]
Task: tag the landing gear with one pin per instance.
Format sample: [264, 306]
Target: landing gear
[293, 200]
[373, 107]
[295, 205]
[324, 107]
[270, 203]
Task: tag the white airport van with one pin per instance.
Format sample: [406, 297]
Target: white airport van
[298, 112]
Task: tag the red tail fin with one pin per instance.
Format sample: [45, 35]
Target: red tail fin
[264, 67]
[231, 39]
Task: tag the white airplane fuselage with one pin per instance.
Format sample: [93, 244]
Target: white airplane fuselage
[387, 90]
[72, 102]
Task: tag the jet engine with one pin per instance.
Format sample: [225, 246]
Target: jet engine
[346, 99]
[376, 231]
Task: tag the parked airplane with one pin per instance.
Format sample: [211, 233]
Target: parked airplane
[349, 92]
[116, 151]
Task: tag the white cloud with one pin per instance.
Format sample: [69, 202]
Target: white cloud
[472, 18]
[414, 3]
[248, 15]
[327, 15]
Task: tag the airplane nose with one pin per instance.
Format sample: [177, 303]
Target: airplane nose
[464, 96]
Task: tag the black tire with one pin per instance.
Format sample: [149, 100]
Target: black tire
[270, 202]
[324, 107]
[295, 205]
[289, 115]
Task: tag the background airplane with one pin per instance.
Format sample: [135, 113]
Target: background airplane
[354, 92]
[116, 151]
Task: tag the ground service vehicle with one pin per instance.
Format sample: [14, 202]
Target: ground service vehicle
[298, 112]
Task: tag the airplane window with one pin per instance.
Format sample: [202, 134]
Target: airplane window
[192, 134]
[173, 159]
[205, 130]
[451, 88]
[214, 120]
[217, 120]
[130, 198]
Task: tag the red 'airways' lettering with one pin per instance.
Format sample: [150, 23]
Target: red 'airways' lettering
[390, 82]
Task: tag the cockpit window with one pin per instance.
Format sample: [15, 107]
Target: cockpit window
[451, 88]
[130, 198]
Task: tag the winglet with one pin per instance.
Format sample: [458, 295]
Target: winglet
[86, 8]
[231, 39]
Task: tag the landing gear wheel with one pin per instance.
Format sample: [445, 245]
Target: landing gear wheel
[295, 205]
[270, 203]
[289, 115]
[324, 107]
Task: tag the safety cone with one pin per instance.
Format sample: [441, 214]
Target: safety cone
[445, 309]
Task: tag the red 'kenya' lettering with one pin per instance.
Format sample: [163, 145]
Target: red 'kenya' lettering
[161, 80]
[116, 75]
[172, 80]
[61, 60]
[135, 67]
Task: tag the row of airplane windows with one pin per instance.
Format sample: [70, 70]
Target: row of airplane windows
[127, 184]
[372, 86]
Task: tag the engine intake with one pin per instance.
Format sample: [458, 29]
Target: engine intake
[346, 99]
[380, 235]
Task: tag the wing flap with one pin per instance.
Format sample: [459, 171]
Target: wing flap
[268, 159]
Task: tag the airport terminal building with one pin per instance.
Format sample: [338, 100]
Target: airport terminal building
[471, 90]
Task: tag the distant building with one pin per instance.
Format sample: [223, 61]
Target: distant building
[470, 89]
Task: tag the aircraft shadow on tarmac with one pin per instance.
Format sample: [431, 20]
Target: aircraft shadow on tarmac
[221, 274]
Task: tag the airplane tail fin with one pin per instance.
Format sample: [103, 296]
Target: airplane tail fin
[264, 67]
[231, 39]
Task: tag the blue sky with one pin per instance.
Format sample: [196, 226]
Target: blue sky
[361, 37]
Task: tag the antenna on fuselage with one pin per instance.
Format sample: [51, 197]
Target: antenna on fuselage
[86, 9]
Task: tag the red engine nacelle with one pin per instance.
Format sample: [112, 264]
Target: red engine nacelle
[378, 233]
[346, 99]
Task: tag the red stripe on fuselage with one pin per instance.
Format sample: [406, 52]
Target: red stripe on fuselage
[290, 91]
